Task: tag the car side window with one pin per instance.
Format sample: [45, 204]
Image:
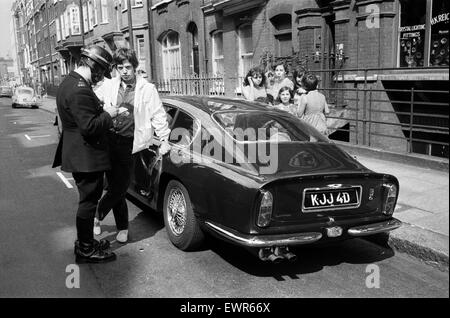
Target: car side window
[171, 111]
[183, 129]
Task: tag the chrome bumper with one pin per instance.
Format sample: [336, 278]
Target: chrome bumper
[374, 228]
[265, 240]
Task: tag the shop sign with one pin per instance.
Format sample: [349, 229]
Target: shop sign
[440, 18]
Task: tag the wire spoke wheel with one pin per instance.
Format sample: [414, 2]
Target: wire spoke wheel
[182, 225]
[177, 211]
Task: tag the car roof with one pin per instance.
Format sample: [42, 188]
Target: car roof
[210, 104]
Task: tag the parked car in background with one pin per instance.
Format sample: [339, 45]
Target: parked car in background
[218, 179]
[24, 96]
[6, 91]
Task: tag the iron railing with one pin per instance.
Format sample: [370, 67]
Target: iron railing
[399, 116]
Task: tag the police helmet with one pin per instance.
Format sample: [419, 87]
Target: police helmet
[99, 55]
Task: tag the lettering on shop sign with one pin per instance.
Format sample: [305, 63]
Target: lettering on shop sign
[410, 35]
[440, 18]
[411, 28]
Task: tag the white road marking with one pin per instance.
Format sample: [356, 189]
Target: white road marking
[42, 136]
[28, 137]
[65, 180]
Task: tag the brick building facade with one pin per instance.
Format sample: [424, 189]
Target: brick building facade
[363, 50]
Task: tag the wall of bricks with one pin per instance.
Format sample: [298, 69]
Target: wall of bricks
[177, 17]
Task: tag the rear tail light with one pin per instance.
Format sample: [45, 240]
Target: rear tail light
[265, 209]
[390, 198]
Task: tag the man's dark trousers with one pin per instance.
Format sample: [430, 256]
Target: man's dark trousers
[119, 178]
[90, 188]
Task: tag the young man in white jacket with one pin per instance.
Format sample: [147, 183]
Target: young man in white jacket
[141, 113]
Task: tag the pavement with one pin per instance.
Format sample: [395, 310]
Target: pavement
[423, 203]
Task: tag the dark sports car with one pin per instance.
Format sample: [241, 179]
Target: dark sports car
[260, 178]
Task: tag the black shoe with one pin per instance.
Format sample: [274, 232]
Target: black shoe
[92, 253]
[103, 244]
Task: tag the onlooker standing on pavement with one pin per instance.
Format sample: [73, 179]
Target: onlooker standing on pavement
[285, 101]
[254, 85]
[299, 90]
[280, 80]
[313, 105]
[82, 149]
[140, 113]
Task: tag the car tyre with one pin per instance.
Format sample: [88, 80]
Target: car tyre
[179, 219]
[14, 106]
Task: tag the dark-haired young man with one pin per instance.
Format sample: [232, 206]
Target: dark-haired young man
[140, 114]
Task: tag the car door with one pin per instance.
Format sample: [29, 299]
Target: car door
[145, 162]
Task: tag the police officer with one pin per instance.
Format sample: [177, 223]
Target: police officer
[83, 147]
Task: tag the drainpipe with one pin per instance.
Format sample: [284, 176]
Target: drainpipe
[81, 21]
[205, 52]
[151, 36]
[50, 45]
[130, 25]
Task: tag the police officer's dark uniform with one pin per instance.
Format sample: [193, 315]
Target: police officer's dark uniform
[83, 151]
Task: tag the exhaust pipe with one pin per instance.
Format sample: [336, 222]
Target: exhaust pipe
[283, 251]
[276, 259]
[267, 254]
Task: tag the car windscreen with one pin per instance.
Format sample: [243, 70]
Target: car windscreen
[24, 91]
[267, 126]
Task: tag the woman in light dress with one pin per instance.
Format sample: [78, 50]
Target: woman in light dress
[313, 106]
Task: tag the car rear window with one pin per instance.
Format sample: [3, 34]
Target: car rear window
[25, 91]
[267, 125]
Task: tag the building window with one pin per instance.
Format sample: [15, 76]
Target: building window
[245, 49]
[58, 30]
[171, 56]
[94, 12]
[193, 43]
[124, 4]
[67, 23]
[283, 34]
[217, 52]
[91, 17]
[85, 18]
[439, 33]
[104, 11]
[420, 26]
[140, 50]
[74, 14]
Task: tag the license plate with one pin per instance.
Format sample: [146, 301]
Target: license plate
[331, 199]
[335, 231]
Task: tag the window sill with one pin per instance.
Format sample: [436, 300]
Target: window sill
[440, 74]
